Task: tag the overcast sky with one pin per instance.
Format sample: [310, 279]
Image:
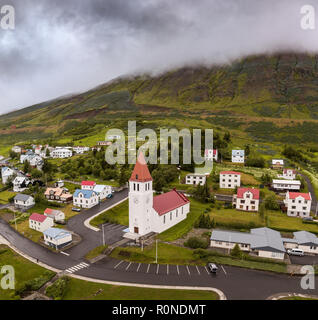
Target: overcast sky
[60, 47]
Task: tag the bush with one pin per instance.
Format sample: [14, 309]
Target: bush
[196, 243]
[57, 289]
[236, 251]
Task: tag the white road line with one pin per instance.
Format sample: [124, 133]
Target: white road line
[188, 270]
[167, 269]
[128, 266]
[223, 270]
[198, 270]
[65, 253]
[148, 267]
[206, 270]
[157, 268]
[118, 264]
[178, 270]
[138, 267]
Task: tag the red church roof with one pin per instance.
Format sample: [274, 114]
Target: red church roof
[294, 195]
[88, 183]
[37, 217]
[241, 191]
[230, 172]
[141, 172]
[169, 201]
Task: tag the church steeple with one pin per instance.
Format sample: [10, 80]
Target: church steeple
[141, 172]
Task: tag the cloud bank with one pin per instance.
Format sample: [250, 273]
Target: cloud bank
[60, 47]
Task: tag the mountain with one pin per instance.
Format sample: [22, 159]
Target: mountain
[268, 97]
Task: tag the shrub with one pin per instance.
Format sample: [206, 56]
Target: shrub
[57, 289]
[236, 251]
[196, 243]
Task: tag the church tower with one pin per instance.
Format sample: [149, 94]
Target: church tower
[140, 198]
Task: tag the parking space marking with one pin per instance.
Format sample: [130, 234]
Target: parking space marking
[118, 264]
[128, 266]
[178, 270]
[206, 270]
[67, 254]
[138, 267]
[188, 270]
[148, 267]
[167, 269]
[223, 270]
[157, 268]
[198, 270]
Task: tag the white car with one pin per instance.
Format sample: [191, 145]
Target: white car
[295, 252]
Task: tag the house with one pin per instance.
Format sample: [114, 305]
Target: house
[211, 154]
[57, 238]
[277, 164]
[6, 174]
[56, 215]
[26, 156]
[20, 184]
[196, 179]
[298, 204]
[17, 149]
[102, 191]
[304, 240]
[238, 156]
[88, 185]
[104, 143]
[114, 137]
[23, 201]
[289, 174]
[285, 185]
[80, 149]
[61, 153]
[40, 222]
[148, 214]
[35, 161]
[58, 194]
[246, 199]
[230, 179]
[85, 198]
[59, 184]
[263, 242]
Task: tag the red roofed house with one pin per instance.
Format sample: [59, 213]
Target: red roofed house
[246, 199]
[40, 222]
[230, 179]
[148, 213]
[289, 174]
[211, 154]
[56, 215]
[88, 185]
[298, 204]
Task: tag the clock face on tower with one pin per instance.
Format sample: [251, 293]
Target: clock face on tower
[136, 200]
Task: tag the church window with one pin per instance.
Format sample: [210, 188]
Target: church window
[134, 186]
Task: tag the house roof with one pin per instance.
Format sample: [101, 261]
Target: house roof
[52, 212]
[287, 182]
[88, 183]
[19, 180]
[238, 152]
[230, 172]
[56, 233]
[207, 151]
[294, 195]
[304, 237]
[242, 191]
[141, 172]
[286, 170]
[169, 201]
[38, 217]
[99, 188]
[22, 197]
[57, 191]
[278, 161]
[9, 171]
[86, 193]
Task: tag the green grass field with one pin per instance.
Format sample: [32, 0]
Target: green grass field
[5, 196]
[95, 252]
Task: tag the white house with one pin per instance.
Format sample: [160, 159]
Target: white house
[57, 238]
[148, 213]
[26, 156]
[102, 191]
[289, 174]
[6, 174]
[264, 242]
[17, 149]
[80, 149]
[196, 179]
[277, 164]
[211, 154]
[88, 185]
[40, 222]
[230, 179]
[304, 240]
[85, 198]
[246, 199]
[36, 161]
[56, 215]
[23, 201]
[238, 156]
[298, 204]
[284, 185]
[20, 184]
[61, 153]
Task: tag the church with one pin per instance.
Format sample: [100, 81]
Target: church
[148, 213]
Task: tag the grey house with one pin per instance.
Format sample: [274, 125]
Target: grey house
[23, 201]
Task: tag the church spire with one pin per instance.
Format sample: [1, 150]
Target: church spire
[141, 172]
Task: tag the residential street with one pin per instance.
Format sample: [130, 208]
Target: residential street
[311, 190]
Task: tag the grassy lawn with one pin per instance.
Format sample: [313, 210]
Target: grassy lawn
[5, 196]
[83, 290]
[95, 252]
[23, 228]
[249, 180]
[118, 214]
[24, 271]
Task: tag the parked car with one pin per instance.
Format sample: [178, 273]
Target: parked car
[295, 252]
[308, 219]
[212, 267]
[76, 209]
[109, 196]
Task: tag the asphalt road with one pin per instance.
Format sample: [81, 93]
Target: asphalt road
[311, 190]
[236, 283]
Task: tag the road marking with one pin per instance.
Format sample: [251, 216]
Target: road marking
[206, 270]
[148, 267]
[128, 266]
[188, 270]
[67, 254]
[178, 270]
[223, 270]
[118, 264]
[78, 267]
[167, 269]
[138, 267]
[157, 268]
[198, 270]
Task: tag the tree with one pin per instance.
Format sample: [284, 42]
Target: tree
[236, 251]
[247, 150]
[26, 166]
[266, 178]
[227, 137]
[271, 202]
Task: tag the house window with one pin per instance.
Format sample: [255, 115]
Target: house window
[164, 219]
[170, 215]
